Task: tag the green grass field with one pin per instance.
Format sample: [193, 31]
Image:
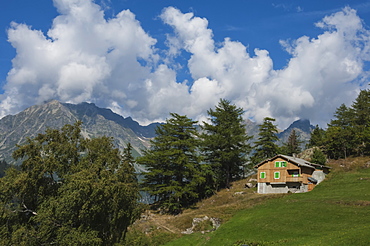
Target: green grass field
[336, 212]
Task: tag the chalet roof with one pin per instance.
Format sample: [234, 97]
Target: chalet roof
[298, 161]
[295, 160]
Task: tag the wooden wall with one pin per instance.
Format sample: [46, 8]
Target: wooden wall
[270, 169]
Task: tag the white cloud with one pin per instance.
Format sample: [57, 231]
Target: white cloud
[114, 63]
[322, 73]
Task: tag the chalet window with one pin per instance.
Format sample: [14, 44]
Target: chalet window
[280, 164]
[295, 175]
[262, 175]
[276, 175]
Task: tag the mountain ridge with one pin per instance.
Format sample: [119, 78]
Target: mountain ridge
[303, 130]
[14, 129]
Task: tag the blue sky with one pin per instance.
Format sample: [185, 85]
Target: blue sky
[145, 58]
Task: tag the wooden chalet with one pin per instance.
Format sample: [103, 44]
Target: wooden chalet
[283, 174]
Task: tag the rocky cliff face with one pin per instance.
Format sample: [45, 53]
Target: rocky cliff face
[14, 129]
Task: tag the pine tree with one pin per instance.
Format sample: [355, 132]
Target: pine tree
[340, 137]
[317, 137]
[292, 146]
[361, 108]
[318, 157]
[3, 166]
[225, 142]
[361, 122]
[174, 170]
[265, 146]
[349, 132]
[128, 162]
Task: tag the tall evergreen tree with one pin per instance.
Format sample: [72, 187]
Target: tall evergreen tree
[292, 146]
[3, 166]
[265, 146]
[361, 108]
[361, 122]
[339, 137]
[128, 162]
[318, 157]
[69, 191]
[343, 117]
[317, 137]
[225, 142]
[174, 170]
[349, 132]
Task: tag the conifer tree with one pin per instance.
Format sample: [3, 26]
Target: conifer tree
[265, 147]
[349, 132]
[225, 142]
[3, 166]
[128, 162]
[361, 122]
[317, 137]
[361, 109]
[340, 135]
[174, 170]
[292, 146]
[318, 157]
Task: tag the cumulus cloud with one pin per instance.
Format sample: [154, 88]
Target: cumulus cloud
[322, 73]
[115, 63]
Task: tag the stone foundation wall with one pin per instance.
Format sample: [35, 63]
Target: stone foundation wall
[266, 188]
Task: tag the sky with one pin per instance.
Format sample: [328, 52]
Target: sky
[297, 59]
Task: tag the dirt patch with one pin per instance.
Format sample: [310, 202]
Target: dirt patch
[359, 203]
[222, 205]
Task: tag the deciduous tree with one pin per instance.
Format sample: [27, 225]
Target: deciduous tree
[69, 191]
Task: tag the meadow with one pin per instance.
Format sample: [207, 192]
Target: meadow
[336, 212]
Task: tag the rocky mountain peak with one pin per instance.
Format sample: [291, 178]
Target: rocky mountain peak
[303, 129]
[304, 125]
[14, 129]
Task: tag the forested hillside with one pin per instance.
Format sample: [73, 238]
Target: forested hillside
[76, 187]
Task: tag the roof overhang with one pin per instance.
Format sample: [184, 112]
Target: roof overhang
[297, 161]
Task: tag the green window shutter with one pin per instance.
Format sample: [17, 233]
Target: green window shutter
[262, 175]
[277, 175]
[280, 164]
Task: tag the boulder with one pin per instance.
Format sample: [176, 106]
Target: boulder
[216, 222]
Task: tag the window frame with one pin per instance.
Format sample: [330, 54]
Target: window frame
[281, 164]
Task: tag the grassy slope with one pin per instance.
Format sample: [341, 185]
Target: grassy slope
[337, 212]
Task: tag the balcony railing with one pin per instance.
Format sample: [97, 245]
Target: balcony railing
[294, 179]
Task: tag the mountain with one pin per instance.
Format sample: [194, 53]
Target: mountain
[252, 129]
[14, 129]
[303, 129]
